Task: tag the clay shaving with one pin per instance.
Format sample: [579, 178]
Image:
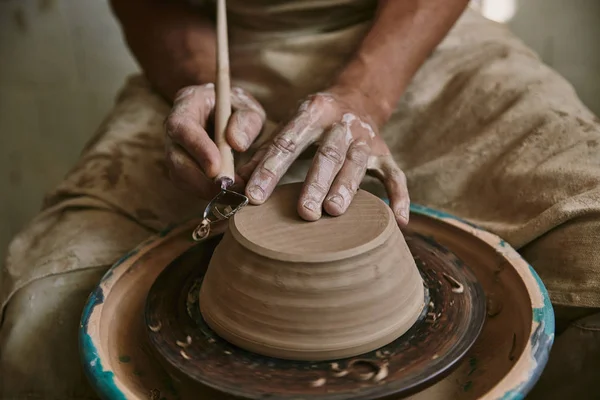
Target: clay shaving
[381, 374]
[155, 328]
[380, 371]
[431, 318]
[188, 341]
[457, 287]
[318, 382]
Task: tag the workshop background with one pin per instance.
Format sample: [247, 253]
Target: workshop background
[62, 61]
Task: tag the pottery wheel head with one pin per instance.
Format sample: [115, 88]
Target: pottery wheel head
[338, 287]
[275, 230]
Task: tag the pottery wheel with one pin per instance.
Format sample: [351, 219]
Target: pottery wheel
[436, 343]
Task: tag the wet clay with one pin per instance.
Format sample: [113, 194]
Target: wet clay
[337, 287]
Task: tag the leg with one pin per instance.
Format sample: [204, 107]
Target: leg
[117, 194]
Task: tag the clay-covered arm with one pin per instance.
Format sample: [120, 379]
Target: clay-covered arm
[174, 43]
[346, 118]
[402, 36]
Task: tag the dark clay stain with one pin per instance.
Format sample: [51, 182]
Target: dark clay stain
[113, 171]
[145, 214]
[561, 113]
[510, 100]
[592, 143]
[85, 181]
[146, 136]
[585, 125]
[144, 145]
[97, 157]
[536, 127]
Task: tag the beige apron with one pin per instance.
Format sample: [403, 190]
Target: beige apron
[485, 131]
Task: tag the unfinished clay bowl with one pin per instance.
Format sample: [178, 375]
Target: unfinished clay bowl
[338, 287]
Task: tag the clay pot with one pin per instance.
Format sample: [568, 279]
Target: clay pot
[329, 289]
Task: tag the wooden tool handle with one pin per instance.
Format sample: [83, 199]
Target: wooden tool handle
[223, 99]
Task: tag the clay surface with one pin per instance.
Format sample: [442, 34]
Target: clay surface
[275, 230]
[334, 288]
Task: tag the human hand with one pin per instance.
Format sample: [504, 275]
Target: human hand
[193, 158]
[349, 146]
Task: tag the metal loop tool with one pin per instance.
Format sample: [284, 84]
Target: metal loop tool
[220, 208]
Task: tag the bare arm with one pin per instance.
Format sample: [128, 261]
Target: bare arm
[403, 35]
[346, 118]
[173, 42]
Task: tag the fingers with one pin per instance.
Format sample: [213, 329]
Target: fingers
[394, 180]
[186, 124]
[280, 154]
[246, 122]
[327, 163]
[243, 128]
[348, 180]
[246, 170]
[186, 174]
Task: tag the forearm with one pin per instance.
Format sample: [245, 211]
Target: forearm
[403, 35]
[173, 42]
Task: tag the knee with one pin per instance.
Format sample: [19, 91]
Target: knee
[571, 371]
[38, 338]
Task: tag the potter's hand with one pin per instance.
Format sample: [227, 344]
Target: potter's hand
[349, 145]
[192, 157]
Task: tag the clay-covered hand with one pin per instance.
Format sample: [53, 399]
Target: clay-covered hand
[349, 146]
[192, 157]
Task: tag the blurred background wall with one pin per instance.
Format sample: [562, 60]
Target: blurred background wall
[61, 62]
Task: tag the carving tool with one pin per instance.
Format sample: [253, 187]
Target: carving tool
[227, 202]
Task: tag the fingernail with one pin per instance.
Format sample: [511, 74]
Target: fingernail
[310, 205]
[256, 193]
[337, 200]
[402, 213]
[243, 138]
